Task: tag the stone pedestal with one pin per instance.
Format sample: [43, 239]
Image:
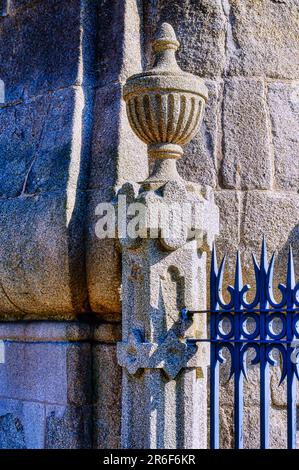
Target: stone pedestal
[164, 391]
[165, 226]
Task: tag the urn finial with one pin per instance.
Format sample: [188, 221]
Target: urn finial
[165, 106]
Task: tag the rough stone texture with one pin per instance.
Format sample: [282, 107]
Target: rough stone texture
[35, 64]
[280, 226]
[246, 160]
[102, 265]
[230, 207]
[199, 163]
[51, 372]
[68, 427]
[248, 144]
[116, 154]
[68, 391]
[200, 26]
[37, 145]
[22, 425]
[44, 122]
[41, 256]
[263, 38]
[107, 397]
[284, 110]
[278, 429]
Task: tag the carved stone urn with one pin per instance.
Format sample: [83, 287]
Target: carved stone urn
[165, 106]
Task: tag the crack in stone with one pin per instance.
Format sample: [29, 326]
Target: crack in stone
[38, 146]
[11, 301]
[269, 127]
[231, 41]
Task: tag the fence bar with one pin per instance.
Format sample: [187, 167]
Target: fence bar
[291, 379]
[214, 399]
[264, 398]
[291, 401]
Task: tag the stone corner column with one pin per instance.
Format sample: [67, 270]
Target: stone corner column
[164, 390]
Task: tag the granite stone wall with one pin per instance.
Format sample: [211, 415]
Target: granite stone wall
[248, 147]
[58, 385]
[66, 144]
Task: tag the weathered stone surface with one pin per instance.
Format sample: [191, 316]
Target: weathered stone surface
[41, 256]
[200, 26]
[251, 426]
[283, 101]
[273, 214]
[107, 333]
[21, 425]
[51, 372]
[11, 432]
[102, 265]
[79, 373]
[51, 399]
[49, 331]
[40, 151]
[36, 63]
[227, 242]
[68, 427]
[119, 37]
[12, 6]
[276, 216]
[263, 38]
[246, 160]
[230, 207]
[117, 154]
[199, 162]
[279, 392]
[107, 398]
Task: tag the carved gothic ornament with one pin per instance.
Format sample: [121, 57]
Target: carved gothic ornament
[172, 355]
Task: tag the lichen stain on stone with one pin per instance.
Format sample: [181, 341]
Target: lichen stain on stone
[12, 434]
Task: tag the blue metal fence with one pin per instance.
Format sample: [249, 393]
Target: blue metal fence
[229, 329]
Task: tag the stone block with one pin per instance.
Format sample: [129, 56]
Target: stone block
[41, 256]
[283, 99]
[50, 372]
[41, 331]
[107, 387]
[199, 162]
[119, 37]
[46, 54]
[103, 261]
[107, 333]
[274, 215]
[246, 160]
[68, 427]
[251, 427]
[263, 38]
[14, 6]
[227, 242]
[279, 392]
[117, 154]
[21, 425]
[200, 28]
[40, 145]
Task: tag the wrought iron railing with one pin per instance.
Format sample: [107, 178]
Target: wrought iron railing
[274, 326]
